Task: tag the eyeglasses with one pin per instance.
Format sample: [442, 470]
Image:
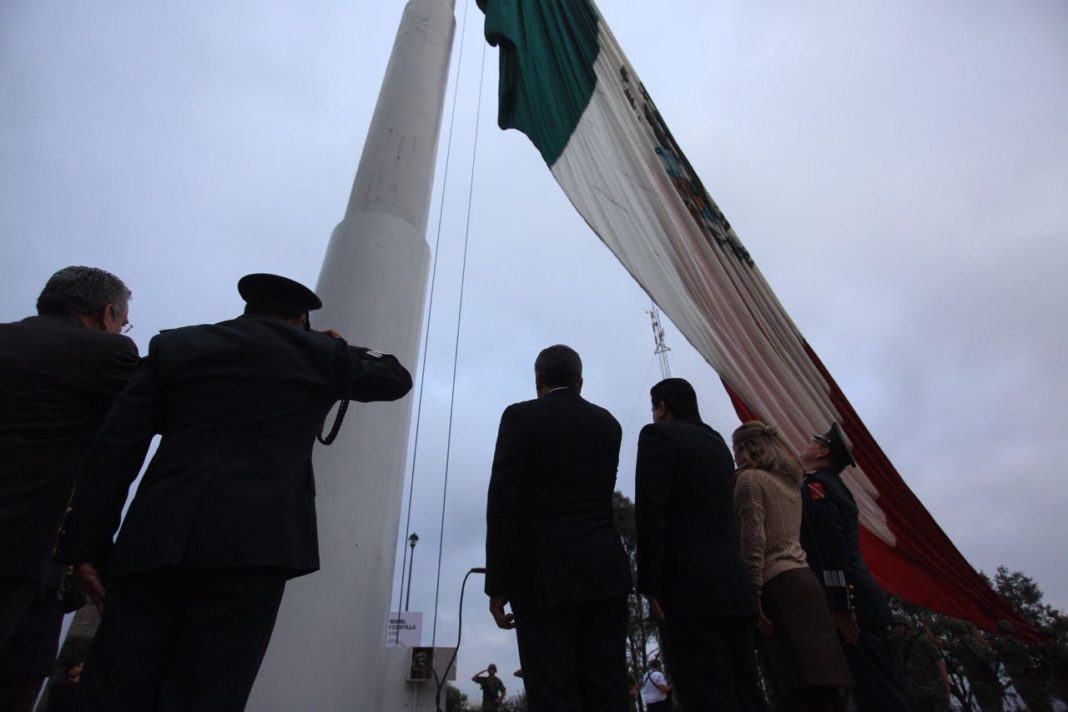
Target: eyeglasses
[127, 328]
[820, 440]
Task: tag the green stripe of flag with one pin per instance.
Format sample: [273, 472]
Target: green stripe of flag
[547, 52]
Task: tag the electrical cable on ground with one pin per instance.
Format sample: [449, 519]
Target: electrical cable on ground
[459, 632]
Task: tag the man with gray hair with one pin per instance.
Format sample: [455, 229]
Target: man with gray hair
[59, 373]
[552, 550]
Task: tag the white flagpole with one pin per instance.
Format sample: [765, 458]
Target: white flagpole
[327, 652]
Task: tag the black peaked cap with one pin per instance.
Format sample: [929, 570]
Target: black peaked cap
[839, 444]
[271, 289]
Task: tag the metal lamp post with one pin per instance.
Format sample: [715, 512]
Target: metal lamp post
[412, 541]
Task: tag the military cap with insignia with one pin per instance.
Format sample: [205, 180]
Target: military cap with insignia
[272, 291]
[838, 443]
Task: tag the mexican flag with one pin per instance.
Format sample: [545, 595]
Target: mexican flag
[565, 83]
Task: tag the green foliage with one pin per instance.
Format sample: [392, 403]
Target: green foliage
[626, 524]
[515, 703]
[641, 629]
[1026, 597]
[455, 701]
[986, 668]
[1037, 671]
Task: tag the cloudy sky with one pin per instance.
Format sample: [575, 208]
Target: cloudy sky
[899, 171]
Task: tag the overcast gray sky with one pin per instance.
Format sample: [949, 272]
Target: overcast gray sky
[899, 171]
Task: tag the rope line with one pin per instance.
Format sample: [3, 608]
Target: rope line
[456, 347]
[430, 312]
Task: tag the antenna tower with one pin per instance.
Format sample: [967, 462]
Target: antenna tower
[661, 347]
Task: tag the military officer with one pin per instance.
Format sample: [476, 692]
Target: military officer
[979, 664]
[225, 513]
[924, 666]
[830, 538]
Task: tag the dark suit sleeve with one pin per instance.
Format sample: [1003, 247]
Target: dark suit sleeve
[111, 465]
[502, 504]
[373, 376]
[117, 365]
[656, 465]
[826, 551]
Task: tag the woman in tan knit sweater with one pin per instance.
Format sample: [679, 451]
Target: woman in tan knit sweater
[803, 653]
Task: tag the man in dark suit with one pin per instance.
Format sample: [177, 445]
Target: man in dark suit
[552, 550]
[225, 512]
[59, 373]
[831, 540]
[689, 561]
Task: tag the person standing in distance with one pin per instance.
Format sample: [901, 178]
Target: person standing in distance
[60, 371]
[552, 550]
[493, 690]
[831, 540]
[689, 562]
[225, 512]
[656, 691]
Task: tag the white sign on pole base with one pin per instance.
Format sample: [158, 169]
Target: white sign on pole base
[405, 629]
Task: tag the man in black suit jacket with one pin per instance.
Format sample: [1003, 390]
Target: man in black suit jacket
[225, 512]
[59, 373]
[552, 550]
[689, 561]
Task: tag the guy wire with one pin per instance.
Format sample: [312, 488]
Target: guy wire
[430, 312]
[456, 348]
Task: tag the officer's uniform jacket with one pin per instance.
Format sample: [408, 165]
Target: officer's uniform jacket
[238, 405]
[830, 538]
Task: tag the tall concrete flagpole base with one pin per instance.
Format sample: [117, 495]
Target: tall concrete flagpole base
[327, 652]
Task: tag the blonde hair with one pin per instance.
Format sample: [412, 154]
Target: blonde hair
[758, 446]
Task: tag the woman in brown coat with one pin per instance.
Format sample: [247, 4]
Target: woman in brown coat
[803, 653]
